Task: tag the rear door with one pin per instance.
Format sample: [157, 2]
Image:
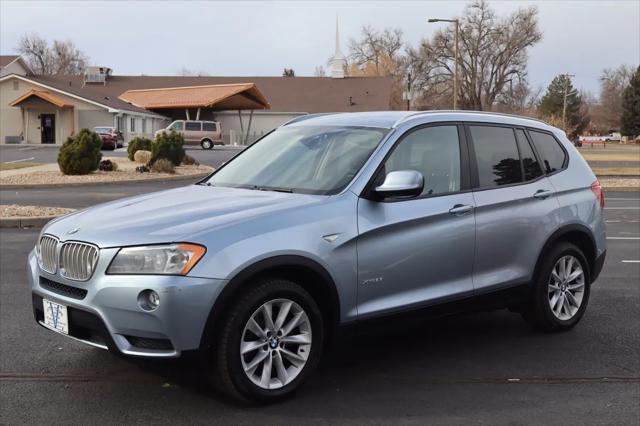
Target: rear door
[514, 205]
[418, 250]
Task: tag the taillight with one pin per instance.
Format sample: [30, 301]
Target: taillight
[596, 188]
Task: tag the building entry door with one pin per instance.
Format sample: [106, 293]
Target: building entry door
[48, 128]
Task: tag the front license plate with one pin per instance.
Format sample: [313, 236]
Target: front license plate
[55, 316]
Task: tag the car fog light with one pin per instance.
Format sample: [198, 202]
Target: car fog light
[149, 300]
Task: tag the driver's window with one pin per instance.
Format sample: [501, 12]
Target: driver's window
[434, 152]
[177, 126]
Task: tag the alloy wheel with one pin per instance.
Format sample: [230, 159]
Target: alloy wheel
[566, 287]
[276, 343]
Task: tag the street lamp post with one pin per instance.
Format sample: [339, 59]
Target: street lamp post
[455, 57]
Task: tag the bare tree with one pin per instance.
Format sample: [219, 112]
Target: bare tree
[62, 57]
[492, 57]
[377, 52]
[612, 85]
[319, 71]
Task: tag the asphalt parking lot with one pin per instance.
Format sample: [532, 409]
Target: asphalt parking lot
[481, 368]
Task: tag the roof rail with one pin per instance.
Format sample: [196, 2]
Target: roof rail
[459, 111]
[305, 117]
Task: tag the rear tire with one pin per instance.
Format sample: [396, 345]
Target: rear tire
[206, 144]
[560, 292]
[270, 362]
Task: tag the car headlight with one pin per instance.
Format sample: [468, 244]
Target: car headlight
[172, 259]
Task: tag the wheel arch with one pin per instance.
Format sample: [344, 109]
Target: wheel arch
[577, 234]
[312, 276]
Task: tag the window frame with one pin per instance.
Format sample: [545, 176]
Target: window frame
[465, 178]
[473, 164]
[213, 123]
[565, 163]
[132, 125]
[192, 122]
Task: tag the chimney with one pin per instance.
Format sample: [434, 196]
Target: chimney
[96, 74]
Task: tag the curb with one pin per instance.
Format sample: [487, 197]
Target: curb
[111, 182]
[26, 222]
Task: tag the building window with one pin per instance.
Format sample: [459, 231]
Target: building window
[144, 125]
[16, 85]
[132, 125]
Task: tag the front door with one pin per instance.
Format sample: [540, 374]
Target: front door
[419, 250]
[48, 128]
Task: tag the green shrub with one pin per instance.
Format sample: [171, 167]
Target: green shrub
[80, 154]
[190, 161]
[168, 146]
[138, 144]
[162, 165]
[141, 156]
[108, 166]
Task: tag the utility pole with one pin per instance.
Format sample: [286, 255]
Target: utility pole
[564, 103]
[455, 56]
[409, 92]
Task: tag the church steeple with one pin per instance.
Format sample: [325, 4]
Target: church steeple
[338, 62]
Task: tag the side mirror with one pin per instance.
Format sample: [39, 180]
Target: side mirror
[401, 183]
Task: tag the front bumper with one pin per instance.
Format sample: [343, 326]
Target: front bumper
[104, 311]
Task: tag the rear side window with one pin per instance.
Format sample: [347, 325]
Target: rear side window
[209, 127]
[192, 126]
[530, 165]
[496, 156]
[553, 156]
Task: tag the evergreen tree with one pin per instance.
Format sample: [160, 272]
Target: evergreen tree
[630, 122]
[552, 103]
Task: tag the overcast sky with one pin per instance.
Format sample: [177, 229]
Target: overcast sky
[261, 38]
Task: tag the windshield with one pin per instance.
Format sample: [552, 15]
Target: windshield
[103, 130]
[311, 160]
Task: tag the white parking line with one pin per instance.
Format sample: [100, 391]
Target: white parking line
[623, 199]
[20, 161]
[623, 238]
[631, 261]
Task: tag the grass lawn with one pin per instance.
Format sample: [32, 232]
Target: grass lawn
[611, 153]
[617, 171]
[14, 166]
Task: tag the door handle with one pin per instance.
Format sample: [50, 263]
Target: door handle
[460, 209]
[542, 194]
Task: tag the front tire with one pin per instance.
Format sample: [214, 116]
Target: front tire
[206, 144]
[561, 289]
[270, 343]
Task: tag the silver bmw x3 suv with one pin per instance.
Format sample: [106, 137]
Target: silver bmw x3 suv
[329, 220]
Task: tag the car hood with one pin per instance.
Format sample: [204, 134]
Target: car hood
[173, 215]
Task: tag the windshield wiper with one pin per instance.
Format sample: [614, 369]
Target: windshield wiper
[273, 188]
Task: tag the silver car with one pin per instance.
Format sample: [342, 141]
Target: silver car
[326, 221]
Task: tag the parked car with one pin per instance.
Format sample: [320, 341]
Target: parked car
[613, 137]
[196, 132]
[111, 138]
[326, 221]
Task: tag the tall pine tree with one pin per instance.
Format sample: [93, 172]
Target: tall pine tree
[630, 121]
[551, 106]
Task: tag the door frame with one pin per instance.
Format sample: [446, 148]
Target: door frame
[465, 164]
